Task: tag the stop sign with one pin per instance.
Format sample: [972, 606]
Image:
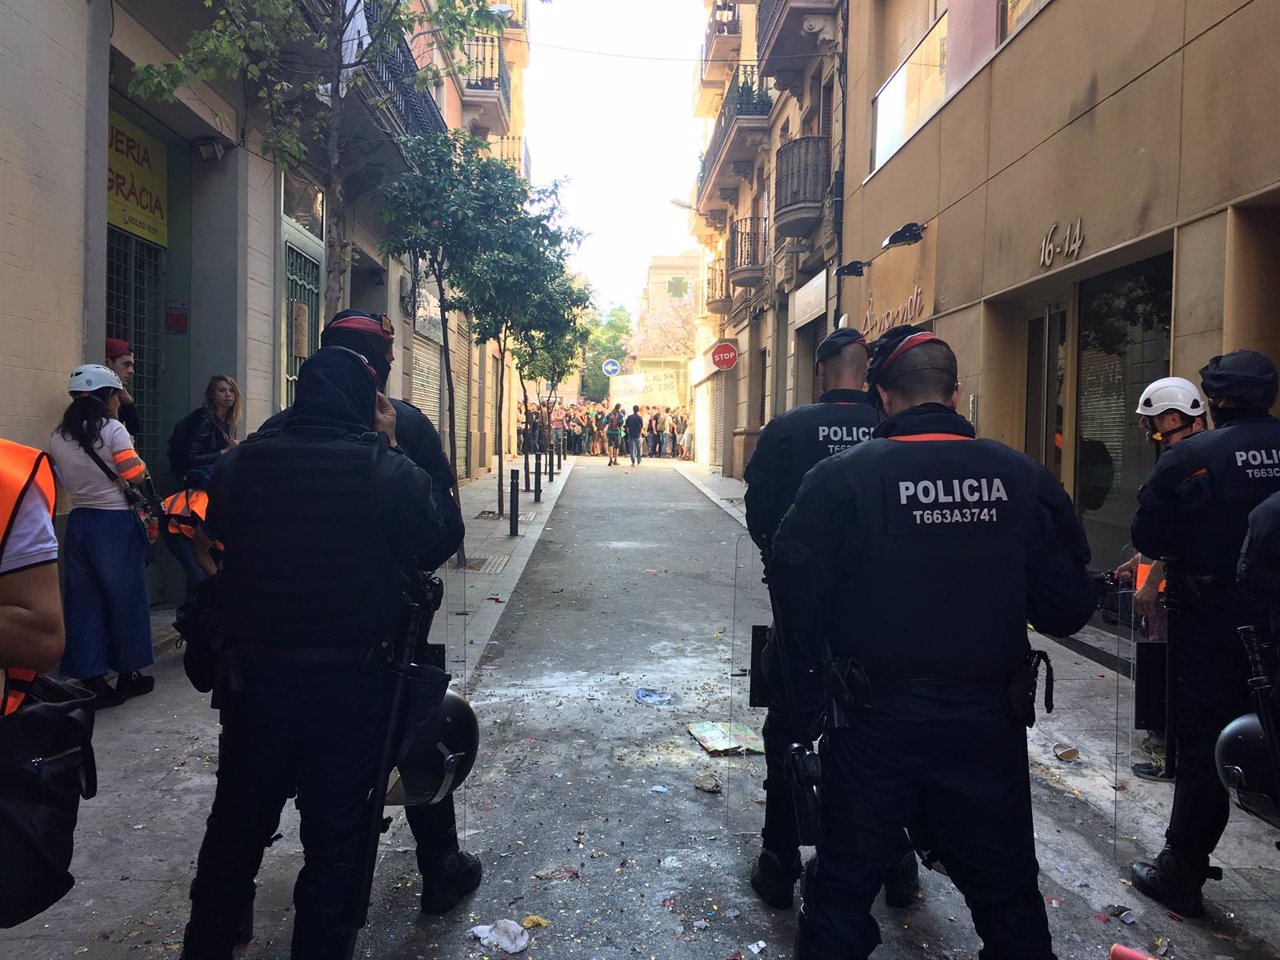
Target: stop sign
[724, 355]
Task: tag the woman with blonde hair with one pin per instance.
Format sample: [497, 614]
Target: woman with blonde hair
[209, 430]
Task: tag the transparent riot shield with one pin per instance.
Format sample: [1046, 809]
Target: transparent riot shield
[748, 693]
[1144, 736]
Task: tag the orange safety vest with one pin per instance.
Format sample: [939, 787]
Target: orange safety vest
[20, 467]
[1144, 571]
[185, 511]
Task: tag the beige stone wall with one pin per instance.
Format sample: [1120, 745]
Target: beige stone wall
[43, 51]
[1144, 121]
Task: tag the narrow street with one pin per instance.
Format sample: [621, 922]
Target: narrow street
[639, 580]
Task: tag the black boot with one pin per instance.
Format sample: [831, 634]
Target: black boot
[1172, 881]
[774, 882]
[104, 695]
[902, 881]
[134, 684]
[457, 874]
[244, 932]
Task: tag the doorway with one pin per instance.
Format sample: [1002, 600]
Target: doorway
[1125, 320]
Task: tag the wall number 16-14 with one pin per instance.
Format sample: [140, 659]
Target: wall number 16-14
[1067, 245]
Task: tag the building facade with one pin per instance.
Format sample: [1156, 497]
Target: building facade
[1085, 229]
[765, 210]
[201, 252]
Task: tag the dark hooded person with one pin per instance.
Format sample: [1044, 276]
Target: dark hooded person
[322, 520]
[448, 873]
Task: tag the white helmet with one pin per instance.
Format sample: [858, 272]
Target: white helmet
[1171, 393]
[91, 377]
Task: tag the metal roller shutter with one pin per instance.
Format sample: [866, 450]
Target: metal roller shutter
[717, 421]
[428, 378]
[460, 347]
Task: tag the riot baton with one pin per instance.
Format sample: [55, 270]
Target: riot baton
[424, 601]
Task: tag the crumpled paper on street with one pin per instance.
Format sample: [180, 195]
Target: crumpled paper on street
[505, 935]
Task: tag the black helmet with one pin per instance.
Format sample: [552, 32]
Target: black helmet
[1245, 376]
[834, 342]
[1244, 767]
[437, 753]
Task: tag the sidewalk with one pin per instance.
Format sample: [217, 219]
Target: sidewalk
[1093, 709]
[137, 840]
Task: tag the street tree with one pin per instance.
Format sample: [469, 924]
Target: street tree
[439, 218]
[513, 284]
[310, 69]
[607, 336]
[550, 347]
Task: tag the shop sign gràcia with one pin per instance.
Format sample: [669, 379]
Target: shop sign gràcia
[137, 181]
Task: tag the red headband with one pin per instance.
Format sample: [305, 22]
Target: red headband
[907, 343]
[380, 327]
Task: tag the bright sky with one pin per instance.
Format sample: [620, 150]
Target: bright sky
[620, 132]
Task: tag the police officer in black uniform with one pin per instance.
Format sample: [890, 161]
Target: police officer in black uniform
[1258, 570]
[908, 569]
[789, 445]
[1193, 512]
[321, 520]
[448, 874]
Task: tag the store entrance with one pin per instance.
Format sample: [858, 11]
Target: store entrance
[1123, 343]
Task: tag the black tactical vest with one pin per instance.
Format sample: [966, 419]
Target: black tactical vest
[794, 441]
[944, 529]
[307, 563]
[1213, 480]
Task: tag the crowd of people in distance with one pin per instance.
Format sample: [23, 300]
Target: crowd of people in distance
[602, 430]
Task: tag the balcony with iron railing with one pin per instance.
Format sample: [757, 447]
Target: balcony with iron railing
[788, 31]
[719, 297]
[515, 34]
[802, 173]
[741, 131]
[392, 75]
[512, 149]
[487, 82]
[747, 252]
[723, 41]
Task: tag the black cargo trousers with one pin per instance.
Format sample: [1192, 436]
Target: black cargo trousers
[311, 730]
[782, 728]
[951, 757]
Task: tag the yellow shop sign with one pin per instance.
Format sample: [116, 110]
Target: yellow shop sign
[137, 182]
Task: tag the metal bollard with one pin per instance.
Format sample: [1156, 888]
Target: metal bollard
[551, 463]
[515, 503]
[537, 477]
[526, 470]
[560, 455]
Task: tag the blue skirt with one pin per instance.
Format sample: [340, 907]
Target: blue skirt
[105, 594]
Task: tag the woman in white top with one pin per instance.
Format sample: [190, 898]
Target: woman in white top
[107, 614]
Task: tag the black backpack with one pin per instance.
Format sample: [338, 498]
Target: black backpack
[46, 768]
[179, 441]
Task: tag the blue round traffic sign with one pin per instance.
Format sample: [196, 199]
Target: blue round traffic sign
[611, 368]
